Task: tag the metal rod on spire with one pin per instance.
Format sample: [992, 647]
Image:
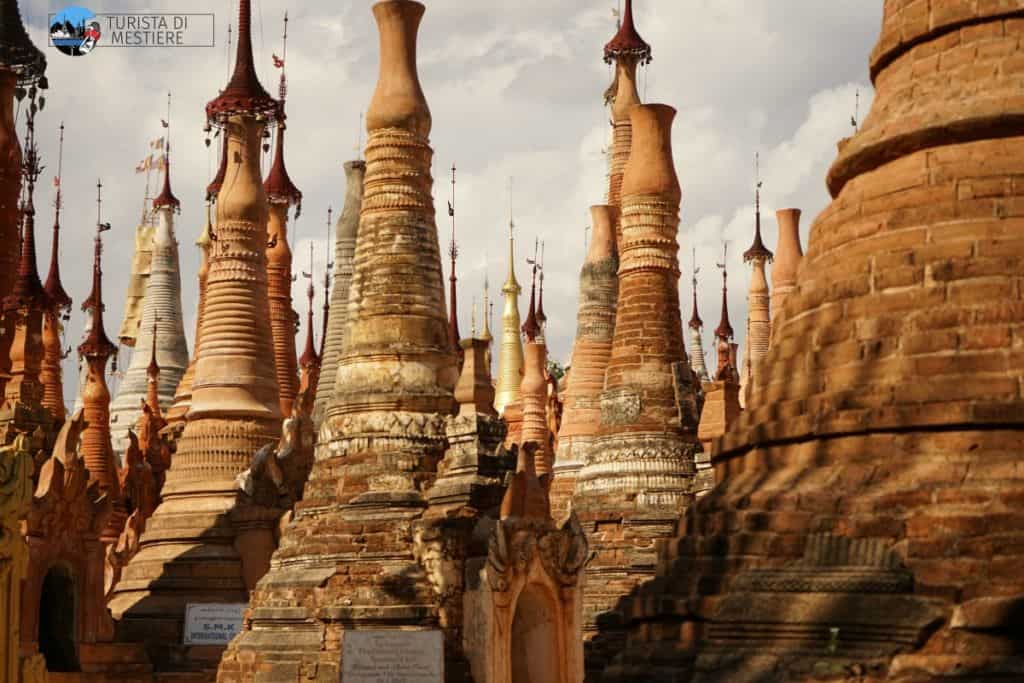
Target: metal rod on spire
[57, 202]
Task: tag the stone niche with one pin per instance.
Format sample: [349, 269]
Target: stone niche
[523, 602]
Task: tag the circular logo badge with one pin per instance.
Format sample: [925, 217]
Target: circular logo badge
[75, 31]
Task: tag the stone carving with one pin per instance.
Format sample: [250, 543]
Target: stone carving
[64, 527]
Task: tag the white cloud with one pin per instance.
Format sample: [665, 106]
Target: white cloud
[515, 90]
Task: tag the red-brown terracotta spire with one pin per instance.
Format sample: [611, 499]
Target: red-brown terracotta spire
[695, 322]
[59, 298]
[244, 93]
[309, 356]
[97, 344]
[531, 328]
[724, 331]
[28, 289]
[542, 318]
[757, 251]
[278, 185]
[166, 197]
[627, 41]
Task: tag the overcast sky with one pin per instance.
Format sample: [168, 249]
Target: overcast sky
[515, 89]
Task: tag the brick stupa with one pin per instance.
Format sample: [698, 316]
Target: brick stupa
[345, 231]
[346, 562]
[202, 544]
[282, 195]
[868, 520]
[632, 489]
[595, 324]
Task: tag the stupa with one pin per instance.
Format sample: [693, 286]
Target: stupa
[869, 498]
[161, 311]
[345, 231]
[348, 561]
[638, 480]
[595, 325]
[202, 544]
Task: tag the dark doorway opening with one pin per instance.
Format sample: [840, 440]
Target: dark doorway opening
[57, 611]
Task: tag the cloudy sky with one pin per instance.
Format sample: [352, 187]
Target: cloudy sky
[515, 89]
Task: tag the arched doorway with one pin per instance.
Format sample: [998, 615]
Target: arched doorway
[57, 617]
[535, 647]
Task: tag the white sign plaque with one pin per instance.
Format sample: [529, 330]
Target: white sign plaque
[392, 657]
[212, 623]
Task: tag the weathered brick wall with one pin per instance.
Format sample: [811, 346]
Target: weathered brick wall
[888, 416]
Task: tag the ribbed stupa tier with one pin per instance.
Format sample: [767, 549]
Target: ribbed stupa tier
[788, 254]
[188, 551]
[870, 497]
[50, 370]
[696, 326]
[510, 358]
[183, 394]
[282, 315]
[638, 479]
[345, 231]
[204, 543]
[595, 326]
[135, 295]
[346, 561]
[535, 404]
[281, 193]
[161, 309]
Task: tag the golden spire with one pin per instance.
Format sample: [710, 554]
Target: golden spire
[510, 363]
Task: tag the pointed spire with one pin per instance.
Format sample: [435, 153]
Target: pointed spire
[695, 322]
[453, 251]
[486, 334]
[278, 185]
[96, 343]
[152, 402]
[28, 289]
[327, 284]
[531, 328]
[59, 298]
[309, 356]
[724, 331]
[166, 197]
[542, 319]
[627, 42]
[511, 284]
[757, 251]
[244, 94]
